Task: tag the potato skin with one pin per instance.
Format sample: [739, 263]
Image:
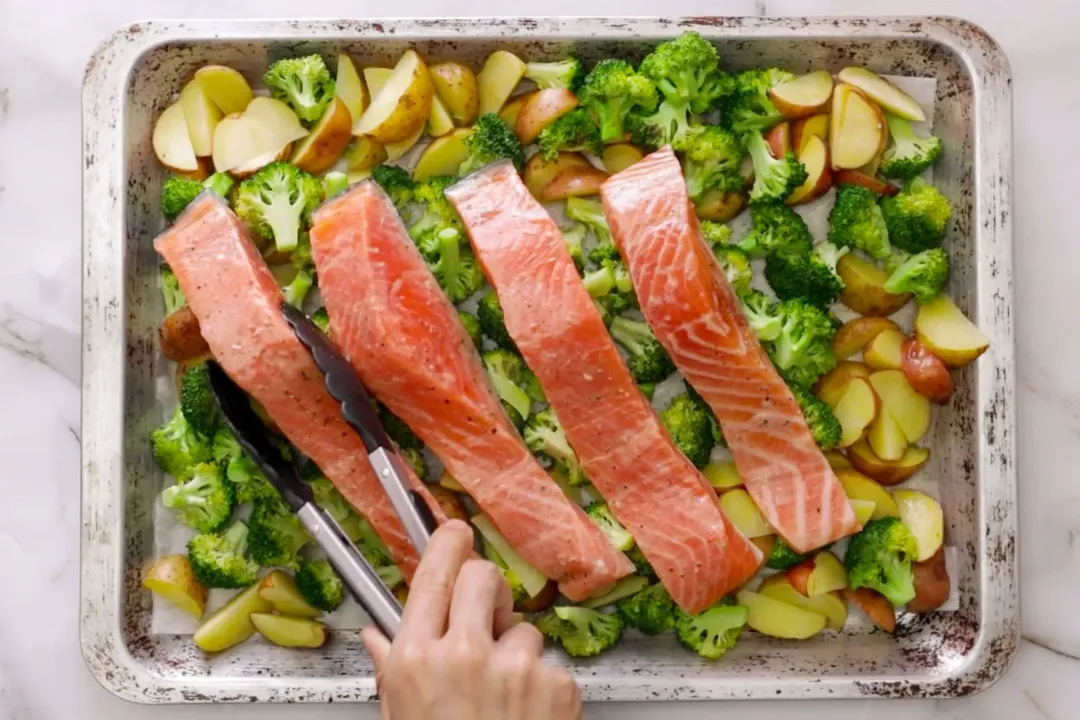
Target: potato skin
[320, 150]
[854, 335]
[180, 336]
[876, 607]
[932, 584]
[864, 290]
[925, 372]
[455, 84]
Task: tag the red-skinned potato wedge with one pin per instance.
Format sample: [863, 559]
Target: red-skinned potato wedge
[180, 337]
[539, 172]
[779, 139]
[932, 585]
[540, 110]
[854, 335]
[541, 601]
[925, 372]
[719, 206]
[876, 607]
[510, 110]
[815, 158]
[574, 182]
[857, 177]
[805, 95]
[805, 128]
[887, 472]
[817, 575]
[856, 128]
[799, 576]
[831, 386]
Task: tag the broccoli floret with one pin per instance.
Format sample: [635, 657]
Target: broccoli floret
[641, 565]
[396, 183]
[303, 83]
[922, 274]
[711, 160]
[197, 401]
[320, 585]
[775, 227]
[572, 132]
[917, 216]
[908, 155]
[399, 432]
[879, 558]
[713, 632]
[327, 496]
[652, 611]
[415, 460]
[600, 514]
[220, 561]
[803, 349]
[669, 125]
[240, 470]
[321, 318]
[277, 201]
[774, 178]
[616, 303]
[715, 233]
[647, 389]
[856, 221]
[170, 291]
[203, 499]
[221, 183]
[544, 435]
[819, 416]
[454, 267]
[517, 590]
[511, 379]
[590, 213]
[573, 238]
[648, 361]
[298, 288]
[568, 73]
[783, 556]
[275, 535]
[437, 212]
[580, 631]
[178, 192]
[599, 282]
[761, 315]
[334, 183]
[490, 314]
[735, 262]
[611, 91]
[750, 109]
[692, 427]
[378, 556]
[472, 327]
[810, 276]
[491, 140]
[685, 71]
[176, 447]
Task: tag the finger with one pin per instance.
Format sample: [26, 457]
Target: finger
[433, 584]
[564, 693]
[480, 595]
[379, 648]
[521, 639]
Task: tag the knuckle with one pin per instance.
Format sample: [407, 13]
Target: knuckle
[409, 658]
[464, 653]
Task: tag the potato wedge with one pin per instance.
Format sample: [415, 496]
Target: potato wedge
[778, 619]
[923, 517]
[365, 154]
[932, 585]
[722, 475]
[397, 150]
[778, 139]
[231, 625]
[501, 73]
[172, 578]
[815, 158]
[887, 472]
[859, 487]
[838, 460]
[279, 589]
[857, 128]
[327, 141]
[620, 156]
[719, 206]
[883, 92]
[805, 128]
[883, 352]
[876, 607]
[254, 165]
[448, 481]
[831, 386]
[886, 438]
[855, 411]
[349, 88]
[443, 156]
[574, 182]
[805, 95]
[456, 86]
[944, 330]
[450, 502]
[854, 335]
[375, 78]
[290, 632]
[439, 121]
[205, 170]
[765, 543]
[261, 133]
[539, 172]
[864, 287]
[226, 87]
[510, 110]
[179, 335]
[858, 177]
[925, 372]
[828, 575]
[541, 601]
[172, 143]
[540, 110]
[402, 105]
[201, 116]
[831, 605]
[910, 409]
[740, 509]
[864, 510]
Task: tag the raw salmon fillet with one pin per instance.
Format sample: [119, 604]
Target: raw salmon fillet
[237, 301]
[403, 336]
[649, 485]
[695, 315]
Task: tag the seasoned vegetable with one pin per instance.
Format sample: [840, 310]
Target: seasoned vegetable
[600, 514]
[220, 561]
[923, 274]
[803, 349]
[581, 632]
[568, 73]
[648, 361]
[320, 585]
[856, 221]
[908, 155]
[172, 578]
[514, 383]
[685, 71]
[652, 611]
[880, 558]
[692, 427]
[775, 227]
[178, 192]
[472, 327]
[277, 202]
[819, 416]
[545, 436]
[197, 401]
[809, 276]
[203, 499]
[490, 315]
[713, 632]
[750, 108]
[917, 216]
[711, 161]
[275, 535]
[775, 178]
[572, 132]
[611, 91]
[491, 140]
[396, 183]
[176, 447]
[304, 83]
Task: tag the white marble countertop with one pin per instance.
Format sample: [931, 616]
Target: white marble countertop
[43, 49]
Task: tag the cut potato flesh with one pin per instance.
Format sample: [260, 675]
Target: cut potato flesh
[349, 88]
[857, 127]
[402, 105]
[854, 335]
[743, 513]
[443, 156]
[327, 140]
[439, 122]
[510, 110]
[864, 510]
[261, 133]
[886, 472]
[539, 172]
[279, 589]
[883, 92]
[837, 460]
[366, 154]
[859, 487]
[815, 158]
[805, 95]
[947, 333]
[827, 576]
[172, 143]
[201, 116]
[719, 206]
[620, 156]
[376, 77]
[883, 352]
[227, 88]
[855, 411]
[722, 475]
[910, 409]
[231, 624]
[455, 85]
[831, 605]
[778, 619]
[501, 74]
[540, 110]
[831, 387]
[804, 129]
[922, 515]
[172, 578]
[886, 438]
[574, 182]
[864, 287]
[290, 632]
[397, 150]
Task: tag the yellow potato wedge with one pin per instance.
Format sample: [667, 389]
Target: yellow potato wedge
[923, 517]
[805, 128]
[864, 287]
[540, 110]
[443, 156]
[883, 92]
[510, 110]
[227, 88]
[886, 438]
[574, 182]
[365, 154]
[231, 625]
[450, 502]
[944, 330]
[854, 335]
[279, 589]
[859, 487]
[259, 135]
[172, 143]
[290, 632]
[910, 409]
[327, 140]
[883, 352]
[439, 121]
[402, 104]
[766, 544]
[397, 150]
[831, 605]
[172, 578]
[740, 509]
[831, 386]
[818, 575]
[253, 166]
[864, 510]
[838, 460]
[501, 73]
[375, 78]
[539, 172]
[349, 88]
[448, 481]
[877, 608]
[886, 472]
[456, 86]
[855, 411]
[719, 206]
[620, 156]
[778, 619]
[201, 116]
[722, 475]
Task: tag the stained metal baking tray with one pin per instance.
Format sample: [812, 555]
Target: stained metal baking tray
[131, 78]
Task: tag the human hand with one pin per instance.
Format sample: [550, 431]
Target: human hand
[461, 653]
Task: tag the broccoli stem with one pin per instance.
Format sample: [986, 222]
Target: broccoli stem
[599, 282]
